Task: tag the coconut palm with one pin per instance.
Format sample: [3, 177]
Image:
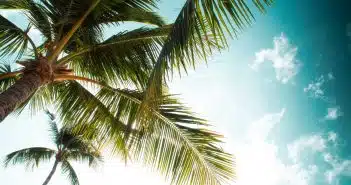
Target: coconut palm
[69, 147]
[116, 88]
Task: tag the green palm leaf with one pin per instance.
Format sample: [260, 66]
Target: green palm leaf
[53, 129]
[65, 13]
[141, 121]
[29, 156]
[68, 170]
[57, 17]
[38, 101]
[91, 156]
[13, 40]
[35, 12]
[77, 103]
[38, 16]
[70, 146]
[134, 15]
[6, 82]
[177, 144]
[199, 29]
[121, 59]
[12, 5]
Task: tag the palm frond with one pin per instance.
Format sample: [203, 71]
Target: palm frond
[37, 16]
[199, 29]
[38, 101]
[92, 156]
[177, 144]
[121, 59]
[80, 110]
[13, 40]
[68, 140]
[128, 14]
[31, 157]
[5, 83]
[54, 131]
[68, 170]
[65, 13]
[52, 118]
[12, 5]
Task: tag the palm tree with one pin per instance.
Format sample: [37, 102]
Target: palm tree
[70, 147]
[116, 88]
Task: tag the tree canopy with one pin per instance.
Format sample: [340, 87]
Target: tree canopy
[116, 88]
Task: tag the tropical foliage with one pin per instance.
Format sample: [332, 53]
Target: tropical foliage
[69, 147]
[116, 88]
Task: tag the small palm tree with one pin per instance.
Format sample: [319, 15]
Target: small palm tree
[70, 147]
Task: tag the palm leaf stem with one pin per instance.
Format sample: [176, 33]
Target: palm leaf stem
[67, 37]
[10, 74]
[79, 78]
[67, 58]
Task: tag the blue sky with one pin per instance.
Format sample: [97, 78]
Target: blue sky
[280, 95]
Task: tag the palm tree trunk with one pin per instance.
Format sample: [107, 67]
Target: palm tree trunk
[18, 93]
[35, 75]
[51, 173]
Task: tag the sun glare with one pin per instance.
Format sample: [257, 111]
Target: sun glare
[257, 163]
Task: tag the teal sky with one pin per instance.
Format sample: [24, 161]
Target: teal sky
[280, 94]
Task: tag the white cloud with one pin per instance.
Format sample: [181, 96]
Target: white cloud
[314, 143]
[261, 128]
[333, 113]
[332, 136]
[318, 145]
[315, 88]
[327, 157]
[339, 168]
[283, 59]
[298, 175]
[258, 161]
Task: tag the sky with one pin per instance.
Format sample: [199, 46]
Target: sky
[279, 94]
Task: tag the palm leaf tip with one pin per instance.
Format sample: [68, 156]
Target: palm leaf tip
[51, 116]
[54, 130]
[13, 40]
[200, 28]
[93, 157]
[176, 142]
[31, 157]
[68, 170]
[200, 145]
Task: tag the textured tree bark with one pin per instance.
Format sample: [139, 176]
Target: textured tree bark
[18, 93]
[35, 75]
[51, 173]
